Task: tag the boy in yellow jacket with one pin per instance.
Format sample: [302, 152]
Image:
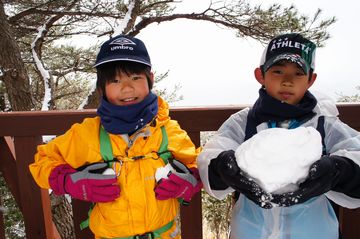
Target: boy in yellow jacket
[112, 159]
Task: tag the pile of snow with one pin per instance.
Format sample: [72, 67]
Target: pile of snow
[279, 159]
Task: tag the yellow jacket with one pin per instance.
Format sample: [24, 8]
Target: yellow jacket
[136, 211]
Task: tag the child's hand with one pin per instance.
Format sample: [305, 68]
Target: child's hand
[328, 173]
[181, 183]
[87, 184]
[229, 172]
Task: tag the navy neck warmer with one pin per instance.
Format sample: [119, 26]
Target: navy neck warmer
[127, 119]
[267, 108]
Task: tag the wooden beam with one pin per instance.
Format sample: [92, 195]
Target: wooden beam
[192, 228]
[80, 212]
[29, 123]
[30, 194]
[50, 229]
[350, 114]
[9, 171]
[349, 221]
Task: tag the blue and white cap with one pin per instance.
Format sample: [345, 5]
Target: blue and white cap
[123, 48]
[291, 47]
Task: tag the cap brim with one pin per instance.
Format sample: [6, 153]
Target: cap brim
[112, 59]
[287, 57]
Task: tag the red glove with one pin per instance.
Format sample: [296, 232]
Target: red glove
[87, 184]
[183, 183]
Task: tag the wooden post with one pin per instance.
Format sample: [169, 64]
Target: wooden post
[191, 216]
[36, 226]
[8, 170]
[80, 212]
[349, 223]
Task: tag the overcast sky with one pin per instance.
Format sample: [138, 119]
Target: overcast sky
[214, 67]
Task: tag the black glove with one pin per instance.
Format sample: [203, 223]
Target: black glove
[329, 173]
[224, 172]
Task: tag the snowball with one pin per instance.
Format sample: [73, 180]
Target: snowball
[279, 159]
[109, 171]
[163, 172]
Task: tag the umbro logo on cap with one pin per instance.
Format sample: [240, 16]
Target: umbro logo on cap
[123, 48]
[122, 41]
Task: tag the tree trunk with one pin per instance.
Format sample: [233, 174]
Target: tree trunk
[2, 101]
[62, 216]
[12, 69]
[93, 100]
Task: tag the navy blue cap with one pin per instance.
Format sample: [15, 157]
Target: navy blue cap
[291, 47]
[123, 48]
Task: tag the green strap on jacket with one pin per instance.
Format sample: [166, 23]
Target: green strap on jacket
[107, 154]
[105, 145]
[157, 233]
[163, 152]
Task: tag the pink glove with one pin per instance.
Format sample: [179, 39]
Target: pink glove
[87, 184]
[183, 183]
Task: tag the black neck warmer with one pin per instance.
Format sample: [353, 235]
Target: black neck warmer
[267, 108]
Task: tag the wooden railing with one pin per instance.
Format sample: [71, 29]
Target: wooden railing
[21, 132]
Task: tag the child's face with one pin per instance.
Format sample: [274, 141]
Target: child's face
[127, 89]
[285, 81]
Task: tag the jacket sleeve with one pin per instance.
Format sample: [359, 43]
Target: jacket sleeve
[229, 136]
[342, 140]
[180, 144]
[78, 146]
